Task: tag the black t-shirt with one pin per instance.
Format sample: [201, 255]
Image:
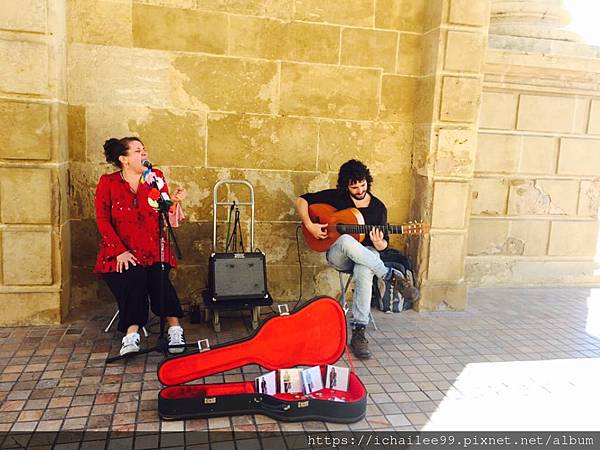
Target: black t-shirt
[374, 214]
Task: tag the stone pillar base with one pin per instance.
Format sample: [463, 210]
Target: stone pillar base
[441, 297]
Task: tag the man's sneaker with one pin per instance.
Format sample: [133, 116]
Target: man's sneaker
[359, 343]
[407, 287]
[396, 281]
[175, 337]
[131, 344]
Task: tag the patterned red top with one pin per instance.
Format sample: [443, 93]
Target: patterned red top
[127, 222]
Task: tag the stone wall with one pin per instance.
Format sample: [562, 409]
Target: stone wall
[277, 92]
[34, 222]
[537, 187]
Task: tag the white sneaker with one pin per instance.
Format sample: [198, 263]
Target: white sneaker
[175, 337]
[131, 344]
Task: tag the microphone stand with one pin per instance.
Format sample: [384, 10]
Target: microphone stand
[162, 346]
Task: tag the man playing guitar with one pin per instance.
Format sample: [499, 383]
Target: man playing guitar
[348, 254]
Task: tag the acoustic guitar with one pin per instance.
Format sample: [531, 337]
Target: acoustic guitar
[349, 221]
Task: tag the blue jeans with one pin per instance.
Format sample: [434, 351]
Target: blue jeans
[349, 255]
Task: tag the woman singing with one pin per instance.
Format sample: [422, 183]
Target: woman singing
[130, 252]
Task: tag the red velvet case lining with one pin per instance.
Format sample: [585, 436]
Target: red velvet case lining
[313, 335]
[355, 392]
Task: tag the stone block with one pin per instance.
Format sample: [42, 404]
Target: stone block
[31, 308]
[292, 41]
[282, 9]
[538, 154]
[369, 48]
[579, 157]
[446, 257]
[155, 127]
[24, 66]
[398, 97]
[487, 237]
[27, 258]
[589, 198]
[401, 15]
[497, 153]
[528, 197]
[424, 100]
[443, 297]
[460, 99]
[464, 51]
[99, 22]
[351, 12]
[225, 84]
[498, 110]
[563, 195]
[25, 131]
[26, 196]
[512, 272]
[468, 12]
[531, 235]
[431, 49]
[455, 153]
[179, 29]
[108, 75]
[489, 196]
[85, 236]
[394, 190]
[450, 202]
[336, 92]
[573, 238]
[432, 17]
[408, 61]
[23, 15]
[77, 139]
[594, 122]
[83, 178]
[189, 4]
[555, 114]
[387, 146]
[261, 142]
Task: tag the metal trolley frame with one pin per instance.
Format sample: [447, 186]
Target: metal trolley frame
[216, 203]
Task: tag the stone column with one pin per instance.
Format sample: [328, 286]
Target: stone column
[445, 140]
[34, 277]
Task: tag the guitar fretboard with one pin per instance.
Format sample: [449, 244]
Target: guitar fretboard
[343, 228]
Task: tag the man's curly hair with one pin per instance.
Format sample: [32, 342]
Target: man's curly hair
[353, 171]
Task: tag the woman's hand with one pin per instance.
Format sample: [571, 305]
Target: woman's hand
[179, 195]
[377, 239]
[124, 259]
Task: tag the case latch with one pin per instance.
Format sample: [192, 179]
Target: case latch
[283, 310]
[203, 345]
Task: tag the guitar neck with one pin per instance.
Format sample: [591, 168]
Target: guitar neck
[343, 228]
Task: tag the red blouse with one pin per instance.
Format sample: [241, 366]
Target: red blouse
[127, 222]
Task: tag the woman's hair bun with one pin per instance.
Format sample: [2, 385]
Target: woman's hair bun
[113, 148]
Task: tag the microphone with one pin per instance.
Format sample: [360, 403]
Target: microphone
[147, 164]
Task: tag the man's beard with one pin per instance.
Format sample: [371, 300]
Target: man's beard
[356, 197]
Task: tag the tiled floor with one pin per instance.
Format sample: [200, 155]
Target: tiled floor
[516, 359]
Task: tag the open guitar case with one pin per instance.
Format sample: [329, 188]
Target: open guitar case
[313, 334]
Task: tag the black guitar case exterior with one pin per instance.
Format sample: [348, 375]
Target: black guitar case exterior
[314, 334]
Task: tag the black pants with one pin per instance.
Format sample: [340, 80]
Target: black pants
[134, 286]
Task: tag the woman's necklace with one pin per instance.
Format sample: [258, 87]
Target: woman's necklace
[135, 200]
